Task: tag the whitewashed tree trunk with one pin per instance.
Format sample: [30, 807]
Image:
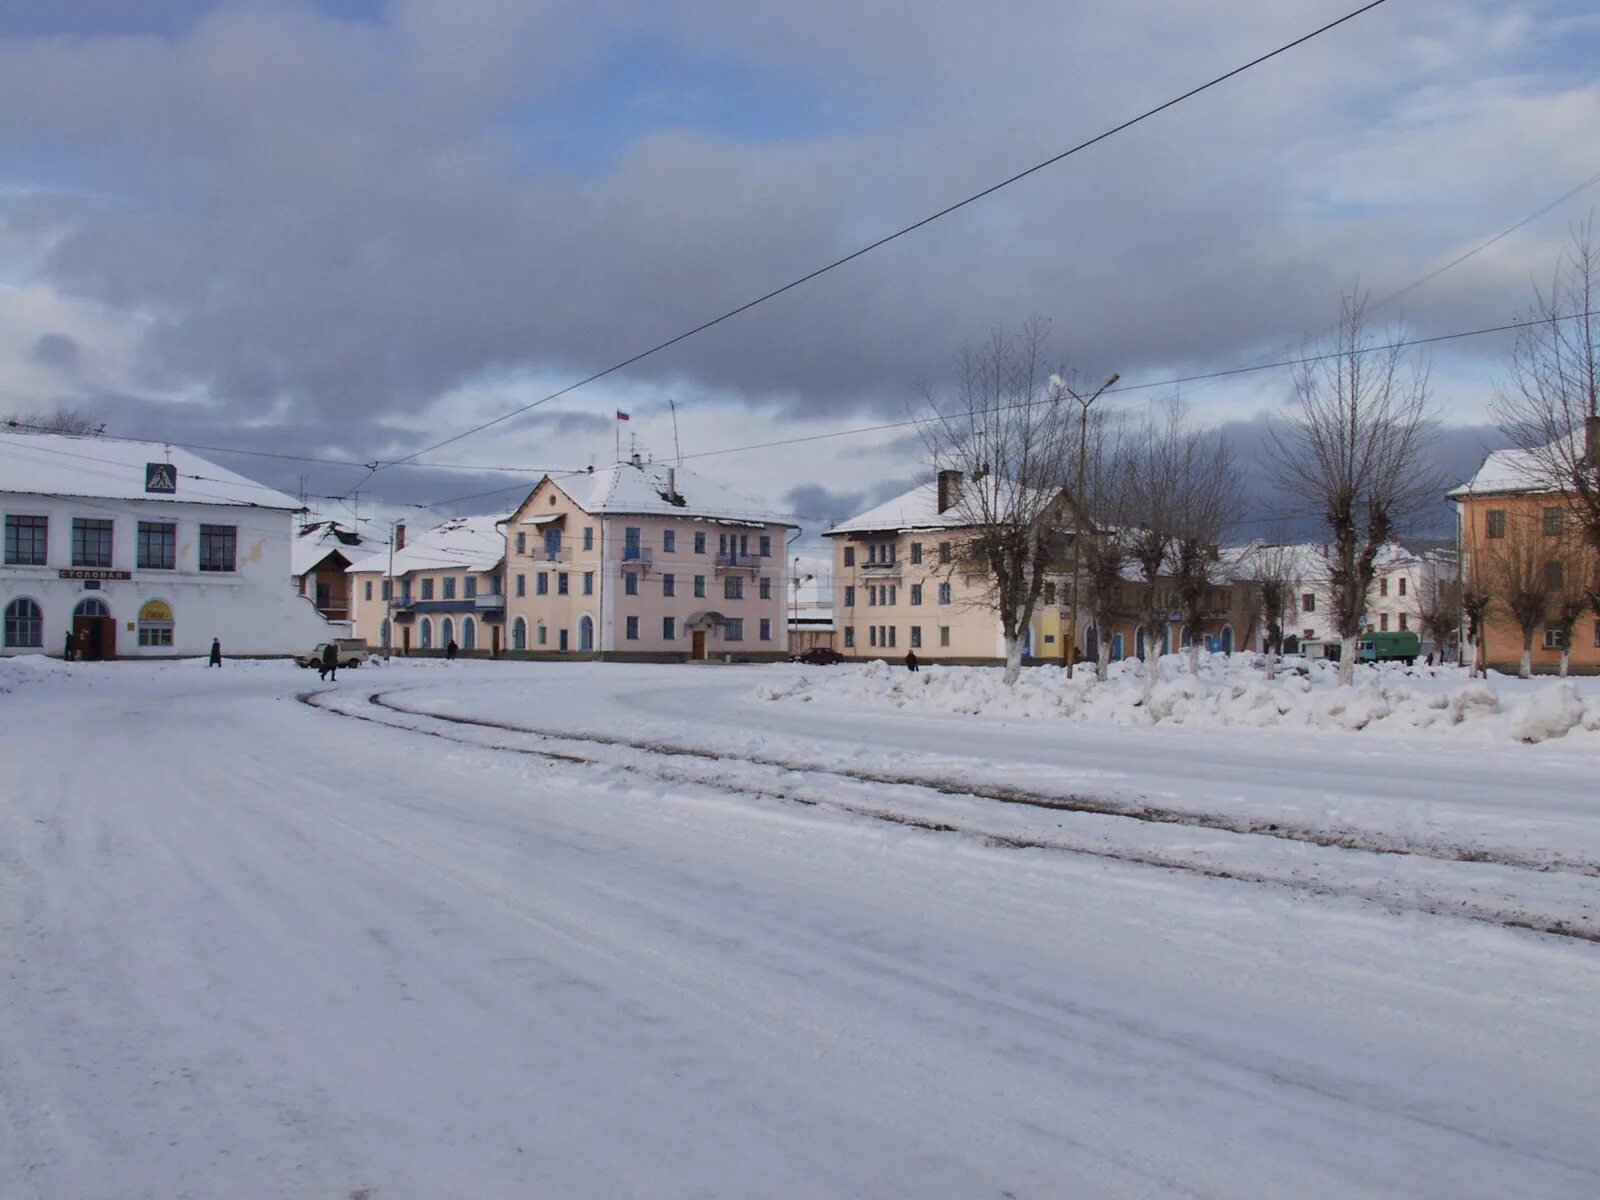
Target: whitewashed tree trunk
[1013, 660]
[1347, 661]
[1566, 657]
[1272, 664]
[1194, 655]
[1525, 670]
[1152, 664]
[1102, 662]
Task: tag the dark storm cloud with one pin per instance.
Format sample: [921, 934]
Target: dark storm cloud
[55, 350]
[324, 220]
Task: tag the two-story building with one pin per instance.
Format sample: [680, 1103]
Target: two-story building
[123, 549]
[319, 559]
[444, 585]
[643, 560]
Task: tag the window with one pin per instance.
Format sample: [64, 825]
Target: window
[630, 582]
[1405, 621]
[449, 587]
[733, 588]
[1383, 622]
[588, 537]
[1050, 594]
[522, 543]
[849, 597]
[630, 544]
[470, 584]
[588, 583]
[633, 629]
[700, 541]
[1555, 637]
[91, 542]
[1554, 576]
[387, 591]
[26, 538]
[916, 552]
[891, 635]
[1553, 522]
[1495, 524]
[872, 635]
[427, 634]
[944, 552]
[24, 624]
[469, 634]
[849, 556]
[552, 544]
[916, 593]
[669, 584]
[944, 635]
[734, 630]
[562, 588]
[544, 635]
[766, 629]
[366, 590]
[1402, 585]
[1308, 603]
[405, 597]
[219, 547]
[669, 628]
[944, 593]
[155, 624]
[541, 583]
[766, 546]
[522, 584]
[427, 589]
[1383, 586]
[494, 585]
[1597, 635]
[669, 541]
[700, 585]
[766, 588]
[850, 637]
[519, 632]
[872, 595]
[894, 593]
[158, 546]
[916, 637]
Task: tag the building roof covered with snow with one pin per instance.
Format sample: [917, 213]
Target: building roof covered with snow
[463, 544]
[936, 504]
[319, 540]
[53, 464]
[660, 489]
[1505, 472]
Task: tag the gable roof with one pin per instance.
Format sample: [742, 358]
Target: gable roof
[320, 539]
[53, 464]
[915, 509]
[465, 543]
[642, 489]
[1509, 471]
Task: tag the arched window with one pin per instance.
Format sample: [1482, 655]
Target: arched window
[155, 623]
[91, 606]
[586, 633]
[1227, 639]
[469, 634]
[427, 634]
[447, 632]
[519, 634]
[24, 624]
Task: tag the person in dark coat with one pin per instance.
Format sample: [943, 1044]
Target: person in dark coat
[911, 660]
[450, 648]
[67, 653]
[216, 653]
[330, 662]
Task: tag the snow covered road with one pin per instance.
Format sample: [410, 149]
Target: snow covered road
[254, 949]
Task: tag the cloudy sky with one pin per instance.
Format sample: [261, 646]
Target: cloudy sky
[351, 229]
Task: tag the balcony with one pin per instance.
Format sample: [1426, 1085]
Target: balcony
[732, 560]
[555, 554]
[489, 603]
[637, 556]
[881, 570]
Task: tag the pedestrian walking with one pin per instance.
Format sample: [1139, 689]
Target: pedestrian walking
[216, 654]
[66, 653]
[450, 648]
[329, 667]
[911, 660]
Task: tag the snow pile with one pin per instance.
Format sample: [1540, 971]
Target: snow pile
[28, 668]
[1228, 691]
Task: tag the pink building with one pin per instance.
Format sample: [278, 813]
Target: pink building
[645, 561]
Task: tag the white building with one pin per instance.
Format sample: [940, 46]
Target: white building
[134, 551]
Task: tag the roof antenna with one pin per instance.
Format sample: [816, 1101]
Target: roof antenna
[677, 449]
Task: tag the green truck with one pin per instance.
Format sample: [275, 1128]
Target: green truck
[1399, 646]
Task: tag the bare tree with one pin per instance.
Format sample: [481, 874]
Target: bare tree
[1355, 450]
[1103, 550]
[1006, 441]
[1551, 406]
[61, 420]
[1206, 503]
[1477, 597]
[1571, 572]
[1274, 572]
[1153, 465]
[1525, 569]
[1439, 605]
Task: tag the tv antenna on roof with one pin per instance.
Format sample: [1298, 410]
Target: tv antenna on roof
[677, 449]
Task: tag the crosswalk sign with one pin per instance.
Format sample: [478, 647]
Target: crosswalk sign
[160, 477]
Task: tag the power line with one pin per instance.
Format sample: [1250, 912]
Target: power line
[885, 240]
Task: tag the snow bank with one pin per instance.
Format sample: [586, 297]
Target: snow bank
[1229, 691]
[16, 670]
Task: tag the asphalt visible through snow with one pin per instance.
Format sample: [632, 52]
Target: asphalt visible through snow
[249, 948]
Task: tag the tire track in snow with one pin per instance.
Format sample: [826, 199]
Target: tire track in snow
[1295, 877]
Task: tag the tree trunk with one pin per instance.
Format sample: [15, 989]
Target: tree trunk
[1152, 661]
[1102, 661]
[1525, 671]
[1194, 655]
[1347, 661]
[1566, 656]
[1272, 663]
[1013, 660]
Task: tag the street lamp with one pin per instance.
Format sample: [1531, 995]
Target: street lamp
[1077, 504]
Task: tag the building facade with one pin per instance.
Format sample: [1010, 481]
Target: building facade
[645, 561]
[319, 559]
[440, 586]
[124, 549]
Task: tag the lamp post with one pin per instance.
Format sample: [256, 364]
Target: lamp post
[1077, 504]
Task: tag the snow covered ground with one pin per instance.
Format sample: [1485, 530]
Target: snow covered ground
[255, 947]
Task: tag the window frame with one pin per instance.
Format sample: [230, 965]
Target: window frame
[105, 540]
[16, 624]
[143, 545]
[38, 539]
[219, 544]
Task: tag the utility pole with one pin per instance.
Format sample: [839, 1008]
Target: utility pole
[1078, 513]
[388, 599]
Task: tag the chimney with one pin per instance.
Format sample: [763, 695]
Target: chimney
[400, 536]
[638, 460]
[949, 490]
[672, 486]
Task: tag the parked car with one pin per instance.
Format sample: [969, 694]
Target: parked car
[352, 652]
[818, 656]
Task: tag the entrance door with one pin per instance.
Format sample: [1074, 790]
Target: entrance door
[697, 645]
[95, 638]
[563, 641]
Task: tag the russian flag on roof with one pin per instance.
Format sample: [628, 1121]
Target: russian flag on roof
[621, 416]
